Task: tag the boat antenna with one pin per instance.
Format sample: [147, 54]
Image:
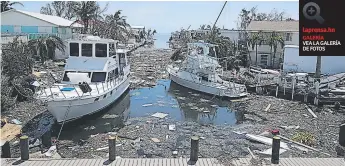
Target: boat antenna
[214, 25]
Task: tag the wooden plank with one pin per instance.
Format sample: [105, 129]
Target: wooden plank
[310, 111]
[268, 107]
[8, 132]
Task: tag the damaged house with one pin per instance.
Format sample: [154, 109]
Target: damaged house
[264, 56]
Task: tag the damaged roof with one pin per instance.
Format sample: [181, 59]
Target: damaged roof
[287, 26]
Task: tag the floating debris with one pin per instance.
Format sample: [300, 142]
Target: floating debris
[159, 115]
[146, 105]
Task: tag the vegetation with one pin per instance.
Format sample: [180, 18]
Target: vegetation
[17, 64]
[45, 47]
[304, 137]
[7, 5]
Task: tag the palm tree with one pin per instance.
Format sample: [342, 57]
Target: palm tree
[87, 11]
[46, 46]
[7, 5]
[318, 67]
[254, 41]
[117, 26]
[273, 41]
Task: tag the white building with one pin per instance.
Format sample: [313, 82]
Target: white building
[288, 30]
[30, 25]
[234, 35]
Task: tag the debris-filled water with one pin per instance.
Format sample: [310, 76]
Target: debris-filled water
[166, 100]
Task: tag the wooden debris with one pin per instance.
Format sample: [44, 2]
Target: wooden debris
[310, 111]
[268, 107]
[156, 140]
[9, 131]
[306, 146]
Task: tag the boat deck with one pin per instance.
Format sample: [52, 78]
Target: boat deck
[173, 162]
[56, 91]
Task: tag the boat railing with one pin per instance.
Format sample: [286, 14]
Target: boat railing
[100, 87]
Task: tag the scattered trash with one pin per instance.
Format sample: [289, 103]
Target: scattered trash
[172, 127]
[146, 105]
[51, 151]
[104, 148]
[159, 115]
[268, 107]
[265, 140]
[90, 128]
[15, 121]
[108, 116]
[35, 144]
[289, 127]
[269, 151]
[156, 140]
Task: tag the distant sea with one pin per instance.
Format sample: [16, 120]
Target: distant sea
[161, 40]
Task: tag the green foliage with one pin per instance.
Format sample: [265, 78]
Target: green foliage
[17, 63]
[304, 137]
[45, 47]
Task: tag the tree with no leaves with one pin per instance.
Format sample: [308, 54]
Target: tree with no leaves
[60, 8]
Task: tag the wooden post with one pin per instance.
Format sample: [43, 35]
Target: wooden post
[275, 150]
[342, 135]
[305, 97]
[277, 91]
[112, 147]
[293, 87]
[47, 139]
[284, 85]
[24, 147]
[6, 150]
[194, 148]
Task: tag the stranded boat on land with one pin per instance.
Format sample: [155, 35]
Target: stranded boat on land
[95, 76]
[200, 71]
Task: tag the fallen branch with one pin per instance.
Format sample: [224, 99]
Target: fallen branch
[306, 146]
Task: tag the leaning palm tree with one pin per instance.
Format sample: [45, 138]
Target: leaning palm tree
[7, 5]
[273, 41]
[87, 11]
[45, 47]
[254, 41]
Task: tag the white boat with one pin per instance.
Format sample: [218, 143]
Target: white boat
[200, 71]
[95, 76]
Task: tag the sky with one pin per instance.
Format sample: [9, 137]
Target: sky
[166, 17]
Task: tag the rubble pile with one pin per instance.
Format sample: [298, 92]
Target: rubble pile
[148, 66]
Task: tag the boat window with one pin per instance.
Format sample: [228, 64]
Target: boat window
[101, 50]
[204, 78]
[65, 78]
[86, 50]
[98, 77]
[89, 73]
[73, 49]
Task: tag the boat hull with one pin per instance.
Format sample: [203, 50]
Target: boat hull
[204, 88]
[81, 107]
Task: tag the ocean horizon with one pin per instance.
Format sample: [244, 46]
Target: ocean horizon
[161, 40]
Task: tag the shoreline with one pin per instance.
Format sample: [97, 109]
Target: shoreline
[148, 66]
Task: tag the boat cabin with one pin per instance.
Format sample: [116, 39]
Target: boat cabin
[92, 59]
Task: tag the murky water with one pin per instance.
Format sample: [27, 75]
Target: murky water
[178, 102]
